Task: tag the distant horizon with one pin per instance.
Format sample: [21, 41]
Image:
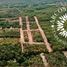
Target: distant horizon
[28, 1]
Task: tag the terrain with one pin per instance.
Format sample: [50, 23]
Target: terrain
[17, 20]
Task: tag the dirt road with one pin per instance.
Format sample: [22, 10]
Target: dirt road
[29, 31]
[43, 36]
[21, 33]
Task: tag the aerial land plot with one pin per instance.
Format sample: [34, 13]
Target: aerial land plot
[33, 25]
[9, 32]
[34, 48]
[37, 36]
[55, 59]
[9, 41]
[7, 24]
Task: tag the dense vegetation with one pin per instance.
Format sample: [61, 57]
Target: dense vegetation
[11, 55]
[57, 59]
[7, 24]
[9, 33]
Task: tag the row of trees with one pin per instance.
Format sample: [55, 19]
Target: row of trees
[9, 24]
[9, 33]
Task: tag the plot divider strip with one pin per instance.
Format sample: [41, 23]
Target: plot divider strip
[43, 36]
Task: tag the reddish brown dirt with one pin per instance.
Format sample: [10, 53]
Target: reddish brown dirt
[21, 33]
[28, 31]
